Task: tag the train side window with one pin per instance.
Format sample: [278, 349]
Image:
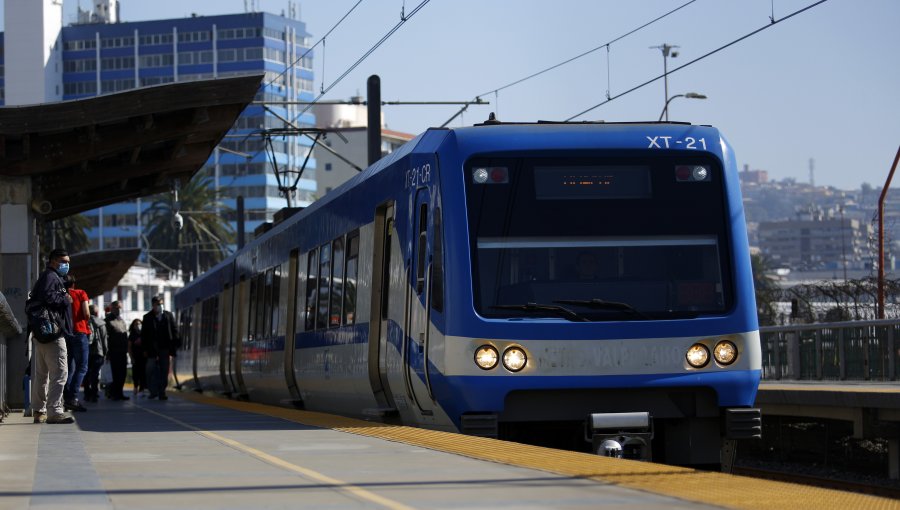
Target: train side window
[421, 248]
[260, 305]
[276, 299]
[337, 282]
[350, 275]
[312, 269]
[437, 273]
[251, 311]
[267, 306]
[214, 322]
[324, 286]
[386, 270]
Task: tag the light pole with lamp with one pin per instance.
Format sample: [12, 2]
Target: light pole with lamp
[689, 95]
[666, 50]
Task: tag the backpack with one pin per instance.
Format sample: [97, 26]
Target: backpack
[43, 323]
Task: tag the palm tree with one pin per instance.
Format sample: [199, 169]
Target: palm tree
[67, 233]
[204, 239]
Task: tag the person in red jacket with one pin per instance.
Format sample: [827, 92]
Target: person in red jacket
[77, 345]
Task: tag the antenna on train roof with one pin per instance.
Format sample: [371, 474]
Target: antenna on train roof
[492, 119]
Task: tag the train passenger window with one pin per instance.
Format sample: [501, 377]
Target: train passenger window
[267, 312]
[276, 298]
[324, 285]
[421, 248]
[437, 273]
[251, 310]
[312, 268]
[337, 282]
[260, 307]
[350, 278]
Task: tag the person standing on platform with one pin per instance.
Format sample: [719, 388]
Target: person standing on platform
[50, 362]
[97, 355]
[117, 341]
[77, 345]
[138, 360]
[159, 337]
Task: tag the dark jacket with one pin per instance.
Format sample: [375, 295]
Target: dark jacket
[49, 289]
[116, 334]
[159, 335]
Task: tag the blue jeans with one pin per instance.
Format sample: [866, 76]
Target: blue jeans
[77, 347]
[158, 374]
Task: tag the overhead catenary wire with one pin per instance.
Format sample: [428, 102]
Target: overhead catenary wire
[365, 55]
[576, 57]
[713, 52]
[320, 41]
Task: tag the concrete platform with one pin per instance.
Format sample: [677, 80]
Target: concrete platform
[181, 454]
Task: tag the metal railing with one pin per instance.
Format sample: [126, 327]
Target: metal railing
[838, 351]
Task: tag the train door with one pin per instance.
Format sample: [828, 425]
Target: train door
[379, 341]
[226, 339]
[239, 320]
[417, 305]
[290, 335]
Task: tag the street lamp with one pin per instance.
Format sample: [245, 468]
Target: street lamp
[689, 95]
[666, 50]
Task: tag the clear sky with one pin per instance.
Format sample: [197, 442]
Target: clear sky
[824, 84]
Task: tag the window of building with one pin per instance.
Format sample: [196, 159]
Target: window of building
[83, 44]
[80, 88]
[158, 60]
[327, 167]
[80, 65]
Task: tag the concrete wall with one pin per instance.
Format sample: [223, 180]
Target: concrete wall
[17, 272]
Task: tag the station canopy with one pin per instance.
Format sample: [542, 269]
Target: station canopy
[87, 153]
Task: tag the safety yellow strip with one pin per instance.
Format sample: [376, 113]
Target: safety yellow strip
[353, 490]
[849, 388]
[729, 491]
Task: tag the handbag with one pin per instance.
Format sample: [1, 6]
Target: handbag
[106, 374]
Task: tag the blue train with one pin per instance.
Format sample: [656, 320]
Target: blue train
[585, 282]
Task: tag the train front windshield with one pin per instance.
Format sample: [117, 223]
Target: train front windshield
[599, 238]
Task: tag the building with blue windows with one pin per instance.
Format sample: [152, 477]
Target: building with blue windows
[104, 58]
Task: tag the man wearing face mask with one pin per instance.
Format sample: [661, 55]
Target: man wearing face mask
[159, 338]
[50, 363]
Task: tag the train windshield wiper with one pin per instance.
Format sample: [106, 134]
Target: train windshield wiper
[540, 309]
[600, 304]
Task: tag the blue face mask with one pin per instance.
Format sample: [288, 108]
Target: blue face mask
[63, 269]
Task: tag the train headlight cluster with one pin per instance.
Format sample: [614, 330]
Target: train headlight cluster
[697, 356]
[514, 359]
[725, 352]
[486, 357]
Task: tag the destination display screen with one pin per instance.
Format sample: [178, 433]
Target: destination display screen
[591, 182]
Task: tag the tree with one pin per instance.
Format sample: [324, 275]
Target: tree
[204, 239]
[767, 291]
[67, 233]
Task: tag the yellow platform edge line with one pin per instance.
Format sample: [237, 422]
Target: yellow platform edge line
[720, 489]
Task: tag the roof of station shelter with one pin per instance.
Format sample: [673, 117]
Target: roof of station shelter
[88, 153]
[100, 271]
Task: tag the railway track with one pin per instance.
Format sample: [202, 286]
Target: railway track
[820, 481]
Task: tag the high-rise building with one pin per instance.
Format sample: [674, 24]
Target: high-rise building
[101, 56]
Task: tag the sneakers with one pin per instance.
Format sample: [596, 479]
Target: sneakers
[40, 417]
[61, 418]
[75, 406]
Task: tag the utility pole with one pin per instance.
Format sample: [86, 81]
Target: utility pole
[373, 110]
[666, 50]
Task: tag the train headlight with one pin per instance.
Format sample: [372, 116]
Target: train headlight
[725, 352]
[486, 357]
[480, 175]
[697, 356]
[514, 359]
